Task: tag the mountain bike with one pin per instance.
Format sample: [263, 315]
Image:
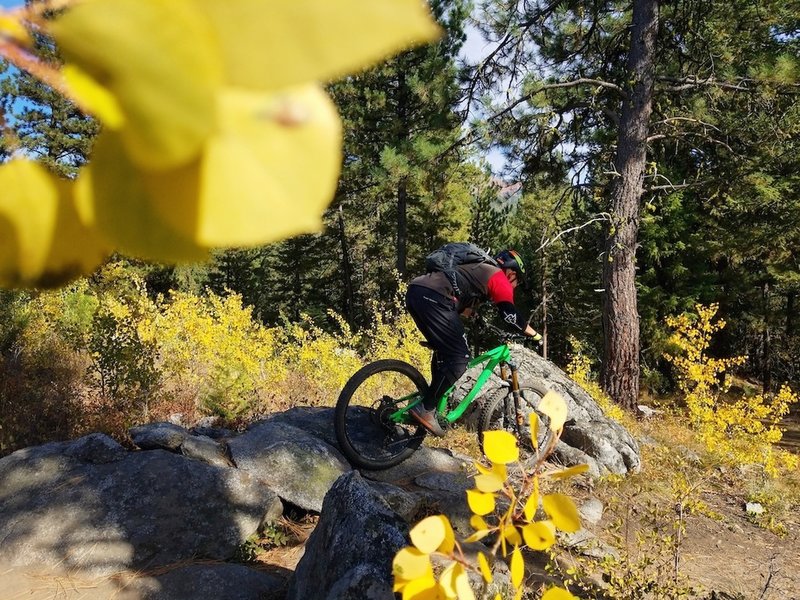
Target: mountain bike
[375, 431]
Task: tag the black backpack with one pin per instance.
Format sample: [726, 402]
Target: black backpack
[450, 256]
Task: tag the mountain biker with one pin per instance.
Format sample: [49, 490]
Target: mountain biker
[435, 308]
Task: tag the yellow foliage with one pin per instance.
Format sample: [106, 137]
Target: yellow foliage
[740, 431]
[579, 370]
[513, 524]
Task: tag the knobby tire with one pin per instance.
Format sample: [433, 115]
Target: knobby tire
[366, 437]
[499, 414]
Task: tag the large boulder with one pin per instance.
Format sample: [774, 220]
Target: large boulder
[299, 466]
[217, 581]
[589, 436]
[349, 555]
[111, 510]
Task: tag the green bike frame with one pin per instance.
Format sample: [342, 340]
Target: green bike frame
[492, 358]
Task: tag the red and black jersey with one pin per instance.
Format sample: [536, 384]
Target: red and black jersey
[478, 283]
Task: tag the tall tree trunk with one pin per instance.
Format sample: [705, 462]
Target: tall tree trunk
[347, 271]
[544, 303]
[402, 226]
[620, 313]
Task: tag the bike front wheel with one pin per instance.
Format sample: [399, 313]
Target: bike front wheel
[499, 414]
[370, 431]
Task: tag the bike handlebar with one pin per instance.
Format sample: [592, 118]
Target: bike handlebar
[505, 336]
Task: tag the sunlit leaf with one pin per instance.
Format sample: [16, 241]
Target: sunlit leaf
[11, 28]
[447, 580]
[557, 593]
[95, 99]
[511, 535]
[114, 199]
[517, 567]
[268, 174]
[569, 472]
[478, 535]
[486, 570]
[496, 470]
[539, 535]
[478, 522]
[532, 503]
[270, 44]
[562, 511]
[424, 588]
[449, 542]
[555, 408]
[480, 503]
[428, 534]
[489, 483]
[410, 563]
[500, 447]
[463, 588]
[534, 423]
[42, 241]
[162, 63]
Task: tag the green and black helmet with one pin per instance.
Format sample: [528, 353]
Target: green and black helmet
[510, 259]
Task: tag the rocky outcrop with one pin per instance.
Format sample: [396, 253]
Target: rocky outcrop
[349, 555]
[589, 436]
[110, 510]
[93, 507]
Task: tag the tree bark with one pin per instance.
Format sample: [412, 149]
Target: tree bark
[620, 375]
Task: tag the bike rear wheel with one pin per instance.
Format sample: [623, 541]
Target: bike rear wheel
[367, 435]
[499, 414]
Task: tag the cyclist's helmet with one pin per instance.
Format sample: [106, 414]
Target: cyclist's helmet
[510, 259]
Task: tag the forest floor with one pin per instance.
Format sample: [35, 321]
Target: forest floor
[721, 552]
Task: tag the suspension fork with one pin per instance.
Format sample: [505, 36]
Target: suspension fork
[514, 380]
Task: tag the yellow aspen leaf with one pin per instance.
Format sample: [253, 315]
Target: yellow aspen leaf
[75, 249]
[486, 570]
[539, 535]
[569, 472]
[463, 588]
[42, 240]
[410, 563]
[511, 535]
[478, 523]
[428, 534]
[449, 543]
[13, 29]
[498, 470]
[480, 503]
[555, 408]
[28, 209]
[424, 588]
[517, 567]
[563, 512]
[112, 198]
[447, 580]
[95, 99]
[500, 447]
[531, 504]
[534, 423]
[268, 174]
[489, 483]
[270, 44]
[557, 593]
[478, 535]
[160, 60]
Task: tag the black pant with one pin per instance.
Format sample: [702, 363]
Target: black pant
[438, 320]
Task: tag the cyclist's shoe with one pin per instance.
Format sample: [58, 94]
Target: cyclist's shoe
[427, 418]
